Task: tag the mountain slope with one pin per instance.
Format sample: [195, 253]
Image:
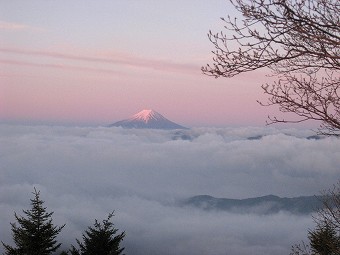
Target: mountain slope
[261, 205]
[147, 119]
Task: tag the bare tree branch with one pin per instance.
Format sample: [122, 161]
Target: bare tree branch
[299, 42]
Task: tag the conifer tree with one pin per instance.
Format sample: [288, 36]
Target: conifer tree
[100, 239]
[324, 240]
[35, 234]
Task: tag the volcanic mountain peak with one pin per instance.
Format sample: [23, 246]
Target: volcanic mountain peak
[147, 119]
[147, 115]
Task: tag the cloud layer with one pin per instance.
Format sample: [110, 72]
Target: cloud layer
[113, 59]
[16, 26]
[85, 173]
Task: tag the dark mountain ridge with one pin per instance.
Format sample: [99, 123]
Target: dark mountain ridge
[261, 205]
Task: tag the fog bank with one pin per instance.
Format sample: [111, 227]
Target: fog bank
[85, 173]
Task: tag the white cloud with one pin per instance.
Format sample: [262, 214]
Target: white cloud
[113, 59]
[4, 25]
[84, 173]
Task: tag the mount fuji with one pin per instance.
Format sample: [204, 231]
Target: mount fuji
[147, 119]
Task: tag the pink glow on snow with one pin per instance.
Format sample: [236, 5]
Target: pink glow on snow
[147, 115]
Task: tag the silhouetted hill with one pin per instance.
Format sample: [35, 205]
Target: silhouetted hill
[261, 205]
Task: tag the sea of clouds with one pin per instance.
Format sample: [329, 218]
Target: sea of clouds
[84, 173]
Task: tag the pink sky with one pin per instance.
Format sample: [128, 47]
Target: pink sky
[95, 64]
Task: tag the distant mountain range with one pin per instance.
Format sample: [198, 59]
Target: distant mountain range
[147, 119]
[259, 205]
[190, 135]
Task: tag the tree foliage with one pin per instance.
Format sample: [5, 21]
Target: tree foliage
[298, 40]
[330, 213]
[100, 239]
[35, 234]
[325, 238]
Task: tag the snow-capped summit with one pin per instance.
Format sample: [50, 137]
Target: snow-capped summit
[147, 119]
[147, 115]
